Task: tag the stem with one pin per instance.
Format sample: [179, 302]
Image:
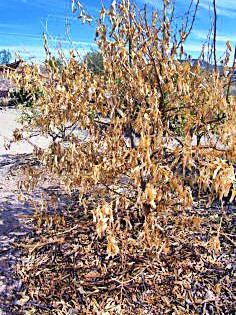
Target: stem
[230, 79]
[214, 34]
[130, 37]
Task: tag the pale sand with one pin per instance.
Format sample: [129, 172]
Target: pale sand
[9, 122]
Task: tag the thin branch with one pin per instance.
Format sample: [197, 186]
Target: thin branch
[118, 193]
[231, 76]
[207, 147]
[214, 34]
[130, 37]
[162, 96]
[187, 32]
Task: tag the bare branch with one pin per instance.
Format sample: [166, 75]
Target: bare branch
[214, 34]
[231, 76]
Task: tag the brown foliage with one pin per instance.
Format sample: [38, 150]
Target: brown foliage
[139, 142]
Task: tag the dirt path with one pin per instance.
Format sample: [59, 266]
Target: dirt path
[13, 223]
[12, 226]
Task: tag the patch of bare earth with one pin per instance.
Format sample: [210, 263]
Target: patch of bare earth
[12, 226]
[14, 213]
[15, 224]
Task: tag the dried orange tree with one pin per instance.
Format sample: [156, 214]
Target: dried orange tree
[139, 141]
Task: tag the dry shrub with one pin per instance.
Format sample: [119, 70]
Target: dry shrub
[139, 142]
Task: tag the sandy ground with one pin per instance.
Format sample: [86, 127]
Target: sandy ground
[15, 214]
[9, 122]
[13, 223]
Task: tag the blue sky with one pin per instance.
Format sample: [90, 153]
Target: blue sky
[22, 23]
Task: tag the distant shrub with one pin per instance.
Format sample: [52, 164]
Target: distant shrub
[94, 60]
[25, 100]
[5, 56]
[54, 62]
[24, 97]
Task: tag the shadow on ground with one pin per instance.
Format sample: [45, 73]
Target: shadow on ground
[13, 225]
[14, 222]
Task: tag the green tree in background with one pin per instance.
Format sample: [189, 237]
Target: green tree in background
[94, 61]
[54, 62]
[5, 56]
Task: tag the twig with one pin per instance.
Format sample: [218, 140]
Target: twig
[187, 32]
[118, 193]
[228, 238]
[231, 76]
[214, 34]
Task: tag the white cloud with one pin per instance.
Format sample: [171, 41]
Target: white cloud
[155, 3]
[197, 47]
[202, 34]
[10, 25]
[225, 8]
[62, 17]
[51, 39]
[24, 36]
[194, 50]
[26, 51]
[37, 53]
[44, 3]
